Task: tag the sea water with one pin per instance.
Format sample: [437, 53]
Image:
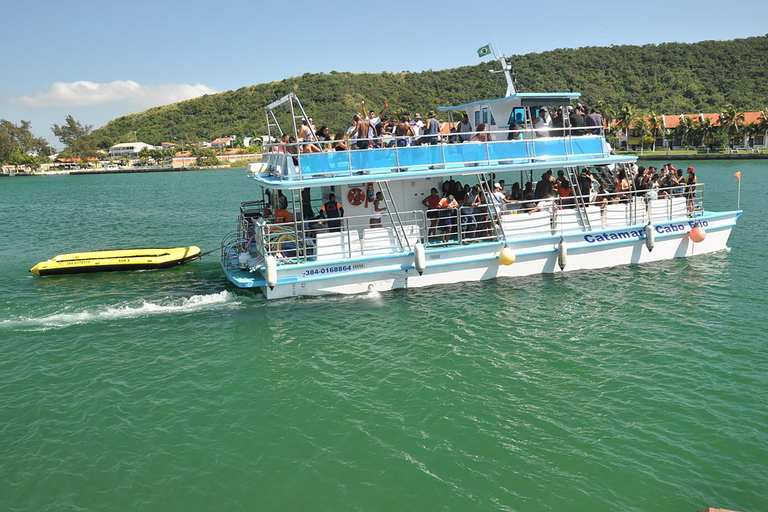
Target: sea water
[634, 388]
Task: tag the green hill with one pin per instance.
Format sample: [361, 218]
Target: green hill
[668, 78]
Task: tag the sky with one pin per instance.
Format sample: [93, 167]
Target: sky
[97, 60]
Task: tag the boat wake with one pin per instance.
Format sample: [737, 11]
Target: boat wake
[124, 311]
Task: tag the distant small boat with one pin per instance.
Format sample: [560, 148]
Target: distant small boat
[117, 259]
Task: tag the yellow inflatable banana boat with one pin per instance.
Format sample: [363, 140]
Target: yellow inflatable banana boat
[118, 259]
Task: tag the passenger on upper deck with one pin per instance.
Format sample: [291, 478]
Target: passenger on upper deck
[339, 144]
[372, 117]
[308, 136]
[594, 119]
[577, 120]
[403, 131]
[515, 132]
[542, 123]
[557, 122]
[417, 124]
[464, 128]
[481, 135]
[323, 134]
[432, 129]
[292, 149]
[362, 132]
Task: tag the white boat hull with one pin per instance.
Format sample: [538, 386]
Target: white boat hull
[478, 262]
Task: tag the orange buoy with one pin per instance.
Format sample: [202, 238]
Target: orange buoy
[697, 234]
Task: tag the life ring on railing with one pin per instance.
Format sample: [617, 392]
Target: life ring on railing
[355, 196]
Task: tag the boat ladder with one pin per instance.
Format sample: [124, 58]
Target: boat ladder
[494, 211]
[581, 202]
[394, 216]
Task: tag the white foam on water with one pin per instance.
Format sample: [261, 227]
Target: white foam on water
[131, 310]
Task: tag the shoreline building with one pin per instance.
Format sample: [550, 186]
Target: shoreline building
[128, 149]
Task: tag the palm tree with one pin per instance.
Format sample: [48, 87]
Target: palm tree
[655, 126]
[686, 130]
[642, 128]
[705, 129]
[624, 119]
[763, 125]
[751, 130]
[730, 120]
[606, 111]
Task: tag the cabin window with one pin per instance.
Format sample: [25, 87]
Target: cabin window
[517, 116]
[485, 115]
[477, 117]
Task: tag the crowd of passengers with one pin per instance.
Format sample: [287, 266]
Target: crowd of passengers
[460, 211]
[614, 187]
[377, 131]
[553, 190]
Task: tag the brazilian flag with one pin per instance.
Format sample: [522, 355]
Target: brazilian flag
[484, 50]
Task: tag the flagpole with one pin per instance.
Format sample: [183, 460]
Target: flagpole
[738, 197]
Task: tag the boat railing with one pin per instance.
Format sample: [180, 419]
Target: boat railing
[594, 211]
[232, 246]
[519, 219]
[336, 239]
[384, 155]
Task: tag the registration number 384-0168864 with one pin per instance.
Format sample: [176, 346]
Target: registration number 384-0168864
[327, 270]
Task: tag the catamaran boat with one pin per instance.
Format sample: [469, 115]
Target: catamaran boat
[284, 246]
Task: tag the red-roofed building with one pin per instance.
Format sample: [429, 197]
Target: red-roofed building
[222, 142]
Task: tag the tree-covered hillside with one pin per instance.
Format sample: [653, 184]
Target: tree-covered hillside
[669, 78]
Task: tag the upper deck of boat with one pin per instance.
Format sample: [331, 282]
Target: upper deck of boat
[280, 169]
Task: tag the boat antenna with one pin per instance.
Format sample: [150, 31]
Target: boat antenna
[509, 73]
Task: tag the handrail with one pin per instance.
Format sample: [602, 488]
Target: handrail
[392, 158]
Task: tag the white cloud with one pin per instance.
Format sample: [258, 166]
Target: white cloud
[85, 93]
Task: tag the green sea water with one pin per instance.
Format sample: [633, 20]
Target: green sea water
[634, 388]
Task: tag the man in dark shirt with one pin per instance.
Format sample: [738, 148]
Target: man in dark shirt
[578, 120]
[332, 210]
[594, 119]
[543, 187]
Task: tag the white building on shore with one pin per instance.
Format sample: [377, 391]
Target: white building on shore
[129, 149]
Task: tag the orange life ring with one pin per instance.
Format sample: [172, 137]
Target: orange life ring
[355, 196]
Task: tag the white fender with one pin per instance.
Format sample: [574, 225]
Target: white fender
[562, 254]
[421, 258]
[271, 264]
[650, 236]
